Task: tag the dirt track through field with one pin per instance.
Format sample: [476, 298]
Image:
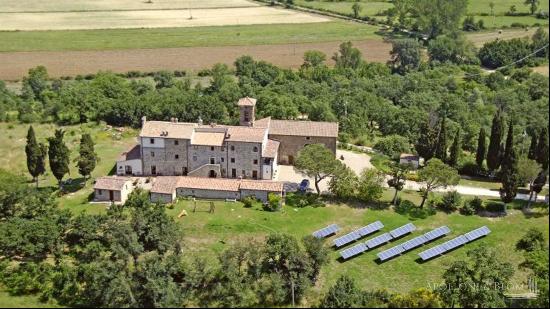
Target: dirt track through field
[15, 65]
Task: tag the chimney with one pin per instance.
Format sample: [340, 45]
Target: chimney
[143, 121]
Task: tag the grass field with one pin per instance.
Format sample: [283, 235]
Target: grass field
[479, 8]
[9, 301]
[183, 37]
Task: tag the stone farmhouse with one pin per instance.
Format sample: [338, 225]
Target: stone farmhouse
[251, 150]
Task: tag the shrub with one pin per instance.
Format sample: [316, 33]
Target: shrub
[502, 52]
[248, 201]
[495, 206]
[451, 201]
[300, 200]
[273, 202]
[468, 167]
[476, 203]
[531, 241]
[467, 209]
[404, 207]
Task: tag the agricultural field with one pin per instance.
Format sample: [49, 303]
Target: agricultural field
[480, 9]
[161, 18]
[482, 37]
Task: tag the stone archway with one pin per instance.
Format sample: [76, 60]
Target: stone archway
[212, 174]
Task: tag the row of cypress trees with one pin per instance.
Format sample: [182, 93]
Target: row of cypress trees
[59, 156]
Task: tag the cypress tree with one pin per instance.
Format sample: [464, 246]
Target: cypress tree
[481, 148]
[441, 147]
[426, 142]
[455, 149]
[533, 147]
[87, 157]
[509, 173]
[542, 149]
[58, 154]
[493, 153]
[36, 155]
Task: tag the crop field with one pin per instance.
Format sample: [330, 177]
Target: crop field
[480, 38]
[114, 19]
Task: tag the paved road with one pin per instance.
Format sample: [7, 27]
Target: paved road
[358, 161]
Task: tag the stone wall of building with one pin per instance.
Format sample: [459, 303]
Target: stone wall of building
[101, 195]
[169, 159]
[162, 197]
[201, 155]
[208, 194]
[291, 145]
[246, 159]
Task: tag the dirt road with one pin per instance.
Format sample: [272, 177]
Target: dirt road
[15, 65]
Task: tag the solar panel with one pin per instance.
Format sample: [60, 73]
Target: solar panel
[378, 240]
[438, 232]
[477, 233]
[415, 242]
[430, 253]
[341, 241]
[324, 232]
[353, 251]
[400, 231]
[455, 242]
[391, 252]
[369, 229]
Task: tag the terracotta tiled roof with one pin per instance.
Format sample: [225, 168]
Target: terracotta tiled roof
[208, 138]
[165, 184]
[271, 149]
[111, 183]
[262, 123]
[168, 184]
[303, 128]
[181, 130]
[262, 185]
[245, 134]
[222, 184]
[246, 102]
[134, 153]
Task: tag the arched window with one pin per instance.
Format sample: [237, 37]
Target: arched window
[255, 149]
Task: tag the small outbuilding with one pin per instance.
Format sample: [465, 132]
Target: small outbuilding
[407, 158]
[129, 162]
[112, 189]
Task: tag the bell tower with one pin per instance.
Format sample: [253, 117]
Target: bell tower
[247, 108]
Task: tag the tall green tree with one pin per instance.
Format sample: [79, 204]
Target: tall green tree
[494, 156]
[398, 177]
[532, 154]
[528, 171]
[343, 294]
[509, 171]
[347, 57]
[318, 162]
[343, 183]
[470, 283]
[427, 140]
[370, 185]
[481, 148]
[533, 5]
[35, 83]
[441, 146]
[58, 155]
[36, 156]
[436, 17]
[87, 158]
[405, 55]
[356, 8]
[456, 148]
[436, 174]
[542, 149]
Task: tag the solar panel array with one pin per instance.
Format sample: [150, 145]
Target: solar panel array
[353, 251]
[324, 232]
[413, 243]
[400, 231]
[454, 243]
[378, 240]
[357, 234]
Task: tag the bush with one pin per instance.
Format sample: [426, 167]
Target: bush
[476, 203]
[300, 200]
[467, 209]
[404, 207]
[533, 240]
[273, 203]
[451, 201]
[495, 207]
[469, 168]
[502, 52]
[248, 201]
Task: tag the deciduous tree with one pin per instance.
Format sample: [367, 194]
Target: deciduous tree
[436, 174]
[318, 162]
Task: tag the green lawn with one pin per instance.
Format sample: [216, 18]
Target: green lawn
[206, 233]
[184, 37]
[9, 301]
[368, 7]
[480, 183]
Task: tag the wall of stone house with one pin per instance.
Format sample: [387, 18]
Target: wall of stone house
[204, 171]
[165, 151]
[208, 194]
[103, 195]
[202, 154]
[162, 197]
[135, 164]
[291, 145]
[260, 195]
[244, 159]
